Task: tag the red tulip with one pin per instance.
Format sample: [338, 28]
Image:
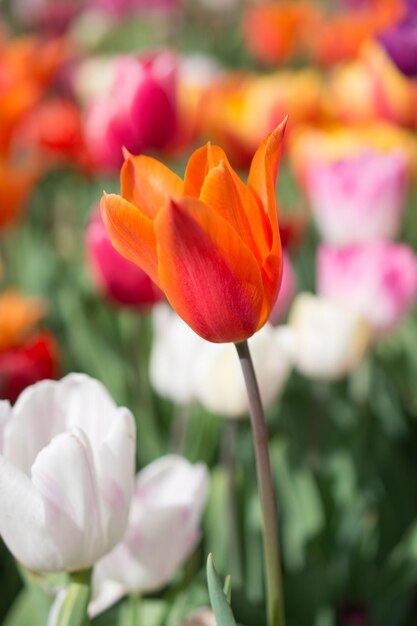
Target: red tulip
[24, 365]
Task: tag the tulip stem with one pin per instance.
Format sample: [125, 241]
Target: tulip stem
[272, 559]
[73, 608]
[130, 612]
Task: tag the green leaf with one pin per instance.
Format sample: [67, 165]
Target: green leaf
[219, 603]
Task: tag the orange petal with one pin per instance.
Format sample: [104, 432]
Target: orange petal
[208, 274]
[199, 164]
[148, 184]
[131, 233]
[224, 192]
[263, 172]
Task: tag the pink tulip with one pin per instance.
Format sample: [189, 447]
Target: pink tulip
[139, 113]
[286, 292]
[378, 280]
[163, 530]
[117, 278]
[360, 198]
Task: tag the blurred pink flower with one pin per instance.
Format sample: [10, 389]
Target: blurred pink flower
[52, 16]
[163, 530]
[378, 280]
[360, 198]
[117, 278]
[286, 293]
[124, 7]
[140, 112]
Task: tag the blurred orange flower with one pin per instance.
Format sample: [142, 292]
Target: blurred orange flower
[18, 316]
[274, 31]
[210, 242]
[16, 184]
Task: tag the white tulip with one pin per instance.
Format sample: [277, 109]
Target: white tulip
[330, 339]
[66, 474]
[186, 368]
[218, 380]
[163, 530]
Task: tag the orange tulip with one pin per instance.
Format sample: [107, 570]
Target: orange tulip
[210, 242]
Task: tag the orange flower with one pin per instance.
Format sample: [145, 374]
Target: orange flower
[18, 316]
[210, 242]
[16, 184]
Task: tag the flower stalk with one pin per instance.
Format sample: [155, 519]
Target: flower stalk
[72, 610]
[272, 559]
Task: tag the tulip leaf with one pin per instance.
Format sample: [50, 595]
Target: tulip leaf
[218, 599]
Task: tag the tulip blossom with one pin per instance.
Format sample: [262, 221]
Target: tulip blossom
[66, 474]
[33, 360]
[377, 280]
[214, 379]
[18, 316]
[330, 339]
[163, 530]
[210, 242]
[360, 198]
[139, 113]
[118, 279]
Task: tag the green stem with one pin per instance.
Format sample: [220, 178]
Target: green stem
[272, 559]
[73, 609]
[130, 611]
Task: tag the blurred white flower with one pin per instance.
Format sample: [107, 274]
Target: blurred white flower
[218, 380]
[66, 474]
[163, 530]
[186, 368]
[330, 339]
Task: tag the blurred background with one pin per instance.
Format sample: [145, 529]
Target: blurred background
[79, 80]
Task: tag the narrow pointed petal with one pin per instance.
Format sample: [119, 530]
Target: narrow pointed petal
[199, 165]
[148, 183]
[221, 191]
[263, 172]
[210, 277]
[131, 233]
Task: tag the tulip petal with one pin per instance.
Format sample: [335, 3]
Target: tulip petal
[210, 277]
[22, 520]
[65, 476]
[200, 163]
[131, 233]
[224, 192]
[116, 470]
[148, 183]
[263, 172]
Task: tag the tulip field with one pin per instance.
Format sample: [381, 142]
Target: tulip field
[208, 312]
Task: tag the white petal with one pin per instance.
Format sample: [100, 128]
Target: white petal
[49, 407]
[22, 521]
[5, 417]
[116, 470]
[65, 476]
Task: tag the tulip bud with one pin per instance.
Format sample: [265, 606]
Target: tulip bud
[168, 502]
[379, 281]
[118, 279]
[286, 293]
[330, 339]
[66, 474]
